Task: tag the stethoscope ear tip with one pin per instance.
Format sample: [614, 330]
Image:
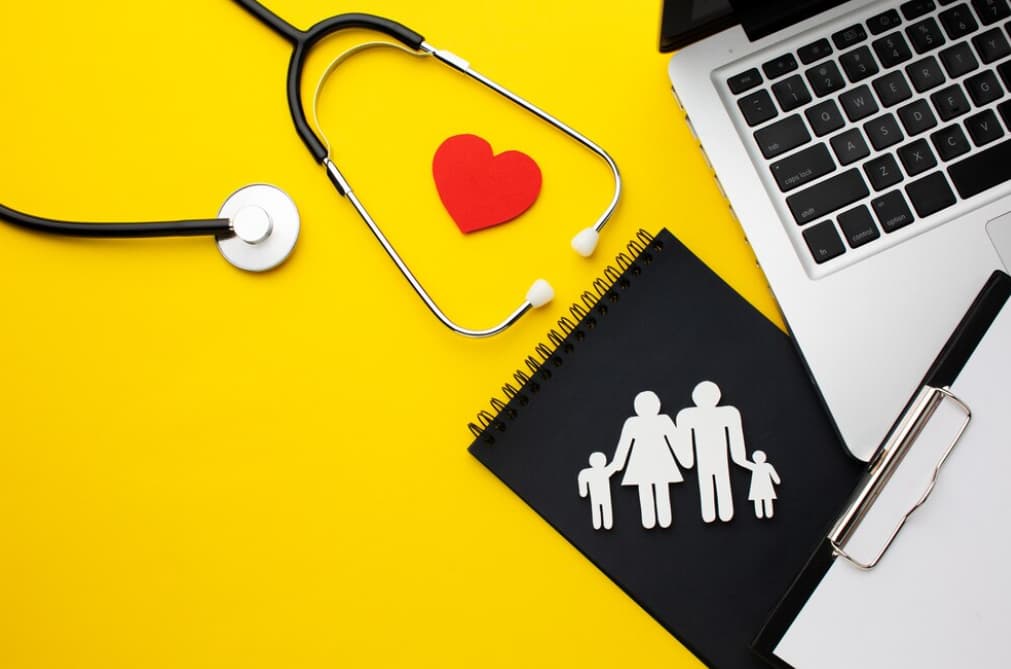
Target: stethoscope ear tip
[540, 293]
[585, 243]
[265, 226]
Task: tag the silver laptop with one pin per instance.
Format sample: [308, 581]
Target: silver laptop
[865, 148]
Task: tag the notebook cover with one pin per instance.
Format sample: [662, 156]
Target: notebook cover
[664, 325]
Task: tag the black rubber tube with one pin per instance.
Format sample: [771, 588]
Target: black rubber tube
[304, 46]
[303, 42]
[187, 228]
[272, 20]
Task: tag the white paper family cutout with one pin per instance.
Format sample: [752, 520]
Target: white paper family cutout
[706, 436]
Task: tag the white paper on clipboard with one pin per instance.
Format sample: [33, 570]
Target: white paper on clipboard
[941, 597]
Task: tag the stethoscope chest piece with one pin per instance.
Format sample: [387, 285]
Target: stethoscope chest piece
[265, 223]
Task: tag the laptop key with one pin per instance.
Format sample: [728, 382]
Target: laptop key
[930, 194]
[782, 136]
[950, 142]
[958, 21]
[983, 171]
[991, 45]
[925, 74]
[883, 131]
[883, 172]
[824, 242]
[814, 51]
[1004, 109]
[744, 81]
[916, 117]
[802, 167]
[757, 107]
[925, 35]
[827, 196]
[858, 226]
[984, 88]
[791, 93]
[1004, 70]
[849, 146]
[958, 59]
[777, 67]
[858, 103]
[850, 36]
[916, 8]
[892, 88]
[984, 127]
[883, 22]
[825, 78]
[824, 117]
[892, 49]
[859, 64]
[991, 11]
[891, 211]
[916, 157]
[950, 102]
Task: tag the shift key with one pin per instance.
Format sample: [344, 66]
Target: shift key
[825, 197]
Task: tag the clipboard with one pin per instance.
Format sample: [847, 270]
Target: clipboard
[902, 578]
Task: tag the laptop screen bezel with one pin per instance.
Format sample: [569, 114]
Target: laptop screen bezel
[688, 21]
[681, 25]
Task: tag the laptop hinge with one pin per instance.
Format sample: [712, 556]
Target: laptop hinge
[760, 18]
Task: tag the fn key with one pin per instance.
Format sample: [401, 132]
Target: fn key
[823, 241]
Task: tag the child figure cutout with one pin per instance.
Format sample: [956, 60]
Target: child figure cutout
[595, 481]
[762, 490]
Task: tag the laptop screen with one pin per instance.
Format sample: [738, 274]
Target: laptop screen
[687, 21]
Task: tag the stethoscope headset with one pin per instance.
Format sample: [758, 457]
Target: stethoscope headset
[257, 226]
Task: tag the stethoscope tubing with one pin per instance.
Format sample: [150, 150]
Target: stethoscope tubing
[184, 228]
[302, 42]
[271, 253]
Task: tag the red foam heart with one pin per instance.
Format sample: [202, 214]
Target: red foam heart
[480, 189]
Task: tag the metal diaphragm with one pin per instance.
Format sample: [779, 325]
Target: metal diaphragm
[265, 223]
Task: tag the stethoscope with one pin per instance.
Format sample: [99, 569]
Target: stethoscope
[257, 226]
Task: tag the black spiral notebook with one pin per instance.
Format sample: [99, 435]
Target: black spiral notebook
[670, 432]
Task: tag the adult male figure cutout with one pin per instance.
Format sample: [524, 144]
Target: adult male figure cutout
[716, 432]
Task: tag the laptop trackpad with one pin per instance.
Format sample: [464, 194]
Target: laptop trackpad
[999, 230]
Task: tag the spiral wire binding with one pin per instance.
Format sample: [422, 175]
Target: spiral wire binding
[582, 317]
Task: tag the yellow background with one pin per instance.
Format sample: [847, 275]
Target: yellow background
[201, 467]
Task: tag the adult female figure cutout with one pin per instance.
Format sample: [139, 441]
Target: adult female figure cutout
[649, 450]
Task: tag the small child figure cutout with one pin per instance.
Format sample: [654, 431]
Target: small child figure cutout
[595, 481]
[762, 492]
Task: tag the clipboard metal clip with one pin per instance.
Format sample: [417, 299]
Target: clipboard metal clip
[898, 443]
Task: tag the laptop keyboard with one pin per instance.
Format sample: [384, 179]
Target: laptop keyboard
[879, 125]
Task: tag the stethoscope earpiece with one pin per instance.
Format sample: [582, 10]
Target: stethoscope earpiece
[264, 224]
[585, 243]
[540, 293]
